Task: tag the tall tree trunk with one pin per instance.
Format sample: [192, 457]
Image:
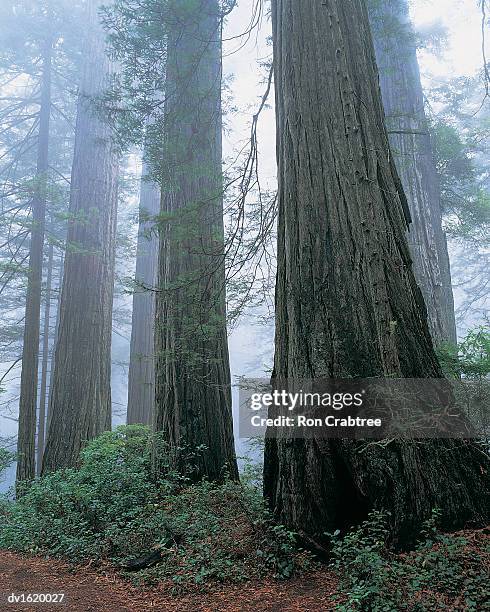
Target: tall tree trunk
[141, 380]
[347, 303]
[55, 340]
[44, 366]
[193, 391]
[80, 405]
[26, 461]
[403, 101]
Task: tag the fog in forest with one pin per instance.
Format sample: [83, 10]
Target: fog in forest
[450, 49]
[244, 304]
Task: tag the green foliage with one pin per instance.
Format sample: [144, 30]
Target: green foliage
[228, 536]
[470, 358]
[137, 34]
[113, 508]
[6, 459]
[469, 364]
[361, 558]
[460, 132]
[138, 31]
[465, 198]
[444, 571]
[252, 464]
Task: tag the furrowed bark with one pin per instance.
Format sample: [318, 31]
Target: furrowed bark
[55, 341]
[193, 392]
[80, 404]
[403, 101]
[347, 303]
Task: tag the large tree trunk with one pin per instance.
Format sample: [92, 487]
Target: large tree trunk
[347, 303]
[141, 380]
[80, 404]
[26, 459]
[403, 101]
[193, 394]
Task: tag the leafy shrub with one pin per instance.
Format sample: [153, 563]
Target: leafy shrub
[469, 363]
[470, 358]
[114, 509]
[446, 571]
[454, 567]
[362, 560]
[6, 459]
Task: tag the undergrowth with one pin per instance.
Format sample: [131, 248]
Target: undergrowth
[444, 572]
[114, 509]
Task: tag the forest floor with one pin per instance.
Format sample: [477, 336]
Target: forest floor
[102, 589]
[87, 590]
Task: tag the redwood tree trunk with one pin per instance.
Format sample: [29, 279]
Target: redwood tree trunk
[403, 101]
[80, 404]
[55, 341]
[26, 458]
[347, 303]
[141, 380]
[193, 394]
[41, 429]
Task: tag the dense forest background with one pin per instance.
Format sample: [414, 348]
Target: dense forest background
[450, 56]
[197, 191]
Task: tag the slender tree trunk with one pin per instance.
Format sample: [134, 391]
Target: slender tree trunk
[26, 461]
[347, 303]
[193, 391]
[55, 340]
[403, 101]
[80, 403]
[141, 380]
[44, 365]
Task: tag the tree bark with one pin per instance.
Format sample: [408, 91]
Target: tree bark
[403, 101]
[80, 405]
[26, 458]
[141, 380]
[55, 341]
[44, 366]
[193, 390]
[347, 303]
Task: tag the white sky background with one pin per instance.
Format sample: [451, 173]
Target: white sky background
[462, 18]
